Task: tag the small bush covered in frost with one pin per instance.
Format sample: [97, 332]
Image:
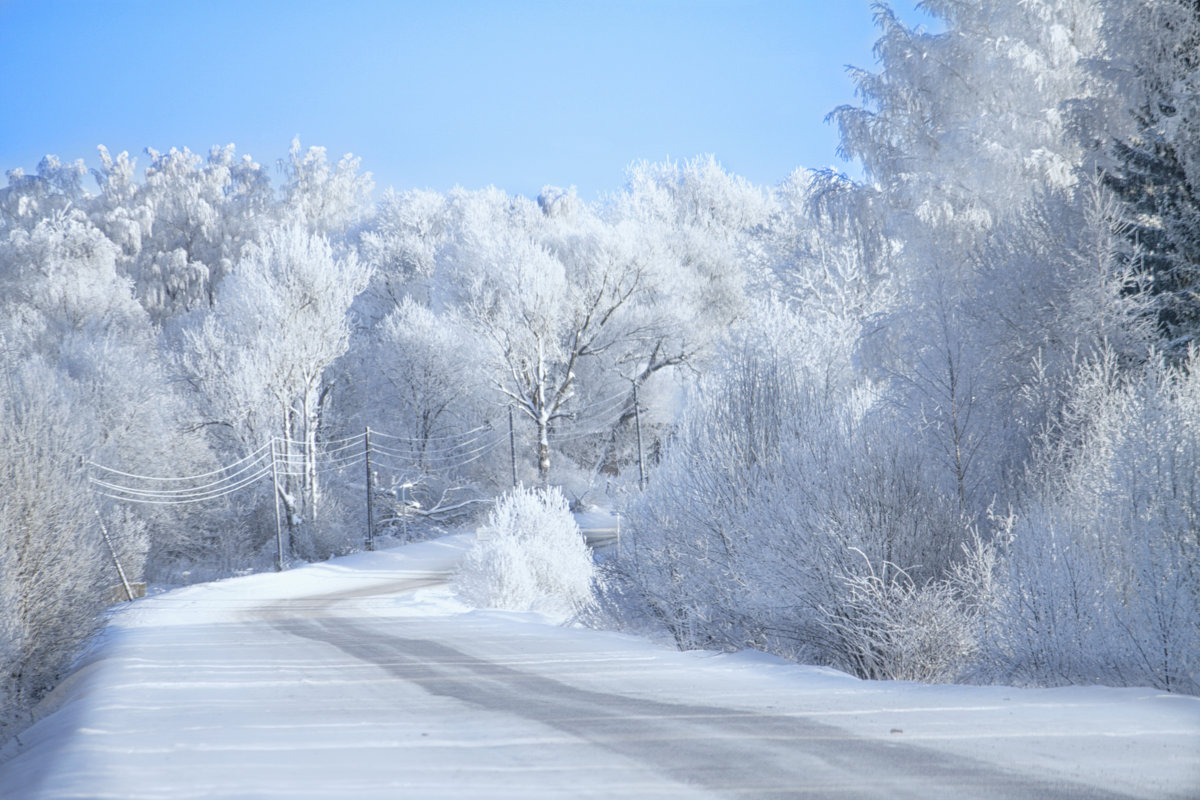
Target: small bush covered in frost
[891, 628]
[529, 556]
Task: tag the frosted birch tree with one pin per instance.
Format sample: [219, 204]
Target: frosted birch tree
[260, 358]
[541, 309]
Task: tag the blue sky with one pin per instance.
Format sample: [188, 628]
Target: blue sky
[517, 94]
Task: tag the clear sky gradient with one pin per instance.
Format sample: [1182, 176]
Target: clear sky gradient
[516, 94]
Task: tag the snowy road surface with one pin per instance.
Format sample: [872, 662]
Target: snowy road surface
[363, 678]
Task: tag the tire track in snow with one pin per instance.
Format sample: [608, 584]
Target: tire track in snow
[728, 752]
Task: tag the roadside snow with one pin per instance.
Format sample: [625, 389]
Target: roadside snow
[205, 691]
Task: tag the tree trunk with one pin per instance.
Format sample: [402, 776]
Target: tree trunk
[543, 430]
[287, 490]
[310, 453]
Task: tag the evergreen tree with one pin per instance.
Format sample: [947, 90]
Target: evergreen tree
[1157, 166]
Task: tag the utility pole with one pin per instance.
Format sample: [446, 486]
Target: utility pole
[278, 522]
[370, 490]
[512, 446]
[116, 560]
[404, 487]
[637, 420]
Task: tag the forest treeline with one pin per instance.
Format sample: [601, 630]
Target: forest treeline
[937, 423]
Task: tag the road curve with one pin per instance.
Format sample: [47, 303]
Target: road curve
[696, 749]
[324, 683]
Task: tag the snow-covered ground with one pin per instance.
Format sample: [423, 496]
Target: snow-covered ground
[364, 677]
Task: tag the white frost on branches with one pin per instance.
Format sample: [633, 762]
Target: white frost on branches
[529, 556]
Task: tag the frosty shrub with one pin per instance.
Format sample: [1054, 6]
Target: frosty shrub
[892, 628]
[779, 471]
[529, 556]
[327, 536]
[1100, 579]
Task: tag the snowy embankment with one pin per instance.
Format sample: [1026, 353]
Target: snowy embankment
[364, 677]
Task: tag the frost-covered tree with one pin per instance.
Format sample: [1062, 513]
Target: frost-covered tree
[54, 572]
[692, 228]
[259, 360]
[963, 123]
[66, 303]
[821, 254]
[1005, 259]
[956, 293]
[401, 243]
[415, 380]
[184, 227]
[328, 198]
[64, 271]
[432, 372]
[578, 305]
[28, 199]
[975, 363]
[699, 222]
[542, 306]
[1154, 68]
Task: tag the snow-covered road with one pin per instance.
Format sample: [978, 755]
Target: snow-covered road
[363, 678]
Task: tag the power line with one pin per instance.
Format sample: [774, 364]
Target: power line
[235, 478]
[420, 455]
[131, 495]
[402, 454]
[570, 435]
[420, 446]
[399, 460]
[420, 439]
[268, 459]
[199, 476]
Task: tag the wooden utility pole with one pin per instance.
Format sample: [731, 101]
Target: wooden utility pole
[116, 560]
[404, 509]
[370, 491]
[637, 420]
[278, 521]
